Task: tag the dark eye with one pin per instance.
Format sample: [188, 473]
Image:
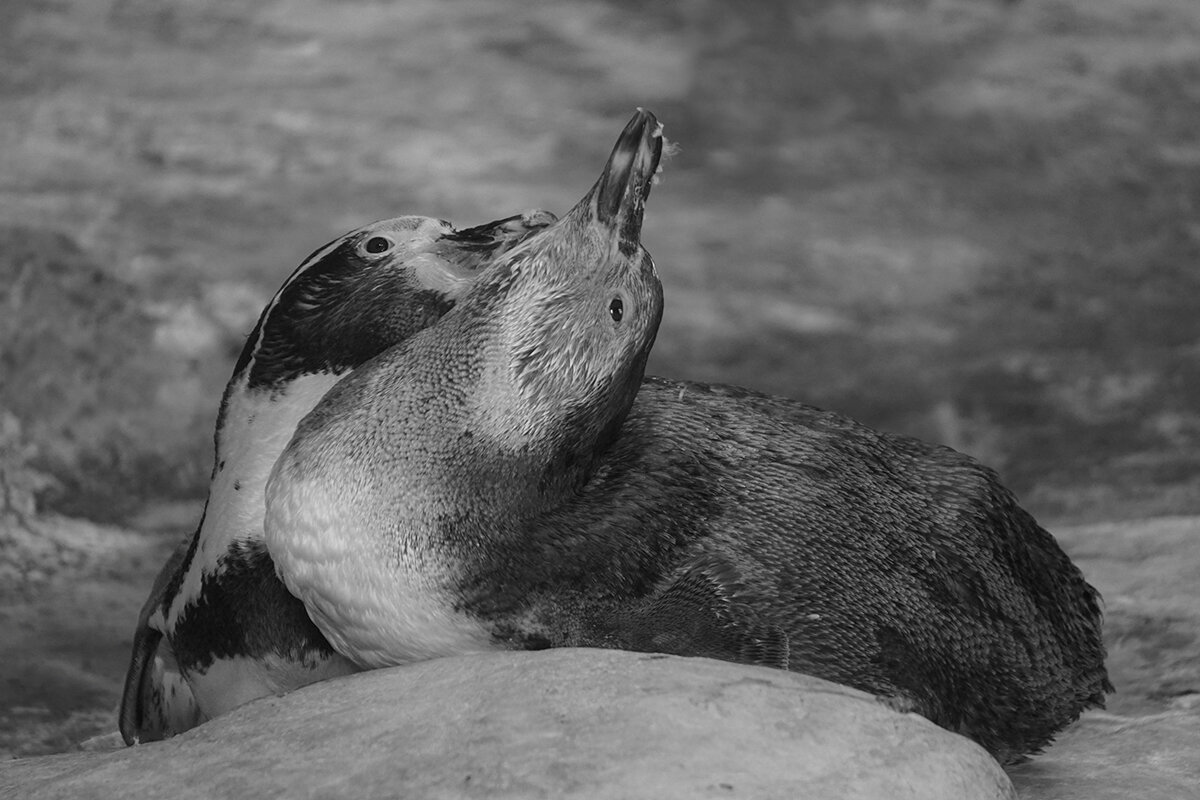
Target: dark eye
[616, 309]
[378, 244]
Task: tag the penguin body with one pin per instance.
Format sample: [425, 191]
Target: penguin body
[735, 525]
[219, 629]
[451, 498]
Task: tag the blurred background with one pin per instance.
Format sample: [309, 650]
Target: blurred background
[972, 221]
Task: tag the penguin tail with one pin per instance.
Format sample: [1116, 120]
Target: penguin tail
[157, 702]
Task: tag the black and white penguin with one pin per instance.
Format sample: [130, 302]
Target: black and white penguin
[219, 629]
[494, 482]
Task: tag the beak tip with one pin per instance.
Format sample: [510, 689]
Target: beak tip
[629, 173]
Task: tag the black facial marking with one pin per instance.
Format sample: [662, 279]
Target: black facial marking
[252, 340]
[337, 314]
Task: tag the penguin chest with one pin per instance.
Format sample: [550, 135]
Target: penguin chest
[377, 601]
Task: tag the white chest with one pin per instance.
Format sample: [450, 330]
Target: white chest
[377, 607]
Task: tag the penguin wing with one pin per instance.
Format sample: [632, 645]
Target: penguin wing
[703, 610]
[157, 701]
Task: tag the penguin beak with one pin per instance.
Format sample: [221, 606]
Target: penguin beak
[618, 200]
[474, 248]
[507, 231]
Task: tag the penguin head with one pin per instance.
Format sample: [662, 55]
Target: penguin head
[368, 290]
[578, 306]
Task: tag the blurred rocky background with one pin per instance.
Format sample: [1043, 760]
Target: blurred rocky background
[968, 220]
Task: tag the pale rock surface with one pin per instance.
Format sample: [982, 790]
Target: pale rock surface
[554, 724]
[1110, 757]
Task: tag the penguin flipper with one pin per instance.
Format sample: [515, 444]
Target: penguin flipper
[702, 611]
[157, 701]
[161, 703]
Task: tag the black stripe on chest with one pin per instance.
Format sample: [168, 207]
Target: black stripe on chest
[245, 610]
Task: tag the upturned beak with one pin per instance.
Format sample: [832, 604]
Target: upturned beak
[618, 200]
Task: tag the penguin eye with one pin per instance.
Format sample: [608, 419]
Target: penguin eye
[378, 244]
[616, 309]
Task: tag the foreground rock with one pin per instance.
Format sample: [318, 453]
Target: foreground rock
[556, 724]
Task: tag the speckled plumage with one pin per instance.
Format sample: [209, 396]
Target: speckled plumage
[219, 628]
[736, 525]
[433, 504]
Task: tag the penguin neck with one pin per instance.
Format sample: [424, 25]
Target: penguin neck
[253, 428]
[466, 451]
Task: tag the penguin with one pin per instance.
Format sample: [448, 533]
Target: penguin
[218, 628]
[506, 479]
